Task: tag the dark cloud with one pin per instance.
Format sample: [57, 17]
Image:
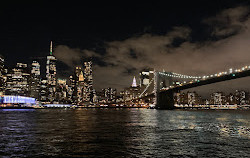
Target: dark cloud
[229, 22]
[172, 51]
[73, 57]
[133, 54]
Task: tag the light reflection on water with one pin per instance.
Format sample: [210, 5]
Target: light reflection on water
[17, 109]
[123, 132]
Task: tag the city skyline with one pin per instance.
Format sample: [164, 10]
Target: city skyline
[81, 81]
[125, 78]
[213, 41]
[51, 57]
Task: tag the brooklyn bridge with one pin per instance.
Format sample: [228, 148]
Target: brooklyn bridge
[164, 85]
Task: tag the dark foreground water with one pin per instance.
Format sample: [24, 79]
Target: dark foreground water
[124, 133]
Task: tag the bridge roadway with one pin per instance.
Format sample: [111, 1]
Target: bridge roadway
[213, 80]
[165, 98]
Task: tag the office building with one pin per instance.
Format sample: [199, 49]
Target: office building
[218, 98]
[51, 75]
[43, 91]
[109, 94]
[79, 85]
[18, 80]
[2, 76]
[61, 91]
[132, 92]
[88, 79]
[34, 82]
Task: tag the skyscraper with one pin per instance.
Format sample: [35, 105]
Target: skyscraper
[51, 75]
[17, 80]
[134, 82]
[62, 90]
[79, 86]
[2, 80]
[34, 81]
[88, 88]
[132, 92]
[71, 89]
[43, 91]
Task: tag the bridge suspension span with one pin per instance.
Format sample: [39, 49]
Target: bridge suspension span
[168, 82]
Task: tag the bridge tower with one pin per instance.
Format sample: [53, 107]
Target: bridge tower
[163, 100]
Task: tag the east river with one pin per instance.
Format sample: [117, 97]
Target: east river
[124, 133]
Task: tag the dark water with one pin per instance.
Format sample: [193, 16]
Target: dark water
[124, 133]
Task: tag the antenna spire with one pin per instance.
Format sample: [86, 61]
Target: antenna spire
[50, 48]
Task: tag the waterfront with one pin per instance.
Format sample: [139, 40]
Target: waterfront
[124, 133]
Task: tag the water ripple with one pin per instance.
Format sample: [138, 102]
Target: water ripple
[123, 133]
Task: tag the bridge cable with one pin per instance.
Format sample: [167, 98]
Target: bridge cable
[146, 87]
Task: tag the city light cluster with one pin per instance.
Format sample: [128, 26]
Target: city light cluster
[24, 84]
[17, 99]
[217, 100]
[26, 81]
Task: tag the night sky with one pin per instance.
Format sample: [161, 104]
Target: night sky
[121, 38]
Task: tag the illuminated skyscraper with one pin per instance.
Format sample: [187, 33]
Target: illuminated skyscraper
[43, 91]
[17, 80]
[2, 74]
[35, 68]
[71, 89]
[88, 86]
[35, 80]
[134, 83]
[132, 92]
[51, 75]
[62, 90]
[79, 85]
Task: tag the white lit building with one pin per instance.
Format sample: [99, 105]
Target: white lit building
[109, 94]
[217, 98]
[241, 97]
[62, 90]
[51, 75]
[18, 81]
[79, 85]
[34, 82]
[2, 76]
[43, 91]
[88, 79]
[132, 92]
